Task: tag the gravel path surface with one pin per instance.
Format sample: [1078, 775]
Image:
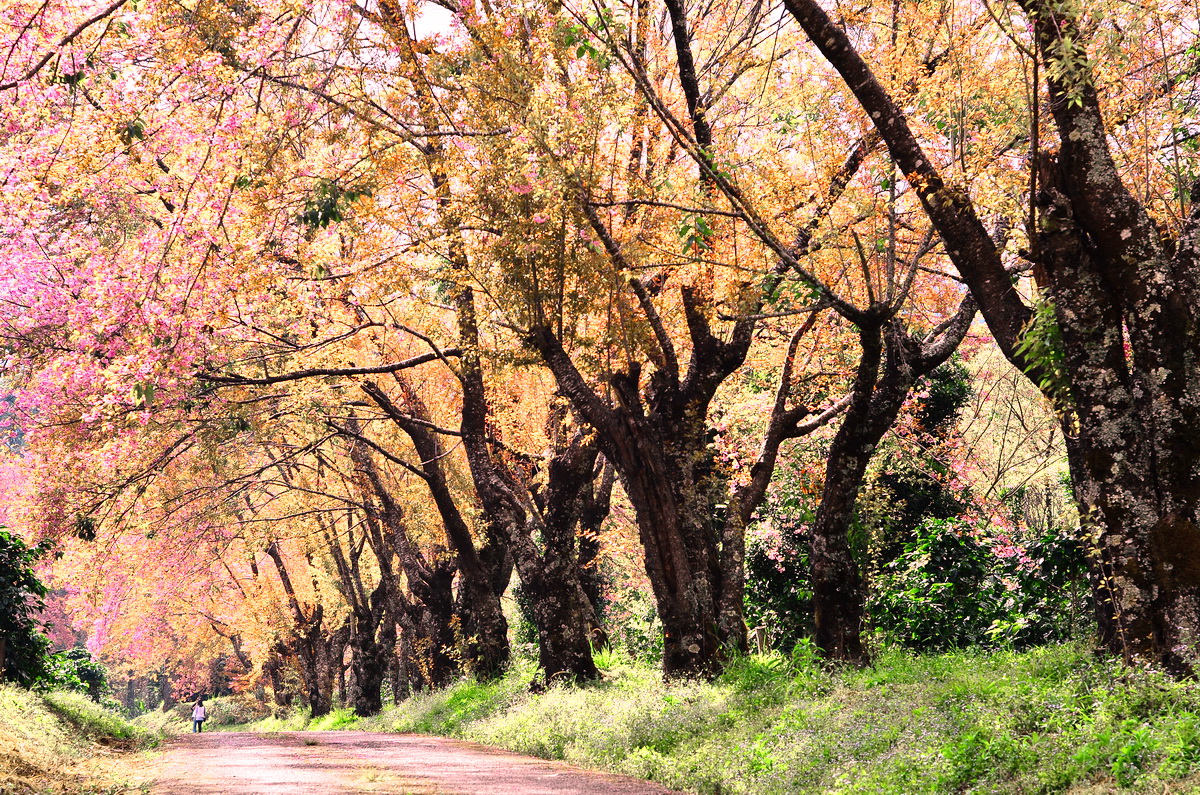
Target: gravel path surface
[228, 763]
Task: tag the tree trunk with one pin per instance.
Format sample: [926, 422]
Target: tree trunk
[372, 641]
[1125, 302]
[415, 674]
[1143, 528]
[550, 576]
[310, 645]
[1098, 564]
[659, 446]
[669, 477]
[165, 693]
[837, 582]
[597, 501]
[484, 630]
[398, 670]
[273, 668]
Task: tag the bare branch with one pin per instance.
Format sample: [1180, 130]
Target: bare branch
[317, 372]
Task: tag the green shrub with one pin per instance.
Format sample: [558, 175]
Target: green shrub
[232, 710]
[23, 658]
[332, 721]
[950, 589]
[74, 670]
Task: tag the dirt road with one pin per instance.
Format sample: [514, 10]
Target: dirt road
[344, 762]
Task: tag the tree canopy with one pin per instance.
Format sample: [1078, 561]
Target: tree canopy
[331, 321]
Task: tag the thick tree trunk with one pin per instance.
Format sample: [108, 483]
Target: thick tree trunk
[312, 647]
[427, 647]
[273, 668]
[372, 639]
[667, 477]
[398, 670]
[666, 468]
[1142, 528]
[428, 617]
[550, 576]
[837, 583]
[658, 443]
[891, 361]
[1126, 302]
[370, 658]
[1131, 337]
[564, 620]
[597, 500]
[166, 693]
[1098, 564]
[484, 629]
[320, 661]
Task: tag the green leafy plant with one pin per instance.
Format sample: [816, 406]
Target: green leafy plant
[1041, 345]
[329, 202]
[948, 589]
[696, 234]
[24, 646]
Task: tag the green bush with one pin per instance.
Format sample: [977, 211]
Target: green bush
[950, 589]
[231, 710]
[335, 719]
[75, 670]
[25, 647]
[778, 591]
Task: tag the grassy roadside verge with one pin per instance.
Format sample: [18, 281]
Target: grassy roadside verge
[62, 743]
[1050, 720]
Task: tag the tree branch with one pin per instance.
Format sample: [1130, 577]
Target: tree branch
[317, 372]
[63, 42]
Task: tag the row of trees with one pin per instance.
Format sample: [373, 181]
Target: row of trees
[384, 300]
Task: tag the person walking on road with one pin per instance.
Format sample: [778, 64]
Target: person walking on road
[198, 715]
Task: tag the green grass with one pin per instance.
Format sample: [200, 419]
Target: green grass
[224, 712]
[88, 719]
[49, 743]
[1055, 719]
[337, 719]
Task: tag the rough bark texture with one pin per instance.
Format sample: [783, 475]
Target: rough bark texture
[892, 360]
[1141, 521]
[371, 644]
[516, 513]
[555, 584]
[597, 500]
[1126, 302]
[274, 668]
[658, 443]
